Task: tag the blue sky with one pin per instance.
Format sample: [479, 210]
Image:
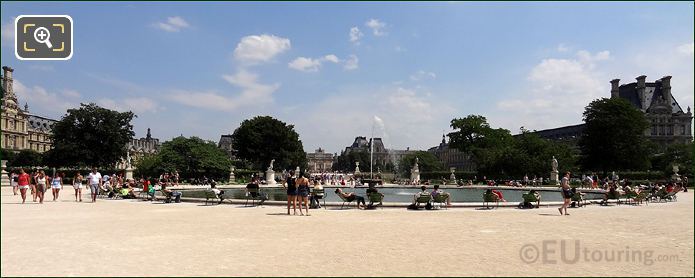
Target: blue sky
[339, 70]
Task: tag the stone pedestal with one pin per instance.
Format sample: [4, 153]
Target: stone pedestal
[5, 177]
[270, 177]
[129, 173]
[415, 175]
[554, 178]
[232, 178]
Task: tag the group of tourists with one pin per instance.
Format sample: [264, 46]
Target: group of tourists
[37, 182]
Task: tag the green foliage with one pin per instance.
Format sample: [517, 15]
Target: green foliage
[614, 137]
[7, 155]
[148, 166]
[191, 157]
[28, 158]
[346, 161]
[498, 154]
[263, 138]
[428, 162]
[681, 155]
[90, 136]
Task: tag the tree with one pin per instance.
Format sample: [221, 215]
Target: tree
[191, 157]
[27, 158]
[90, 136]
[149, 166]
[614, 137]
[427, 162]
[263, 138]
[678, 154]
[345, 162]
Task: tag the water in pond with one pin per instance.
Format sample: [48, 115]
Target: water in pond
[398, 195]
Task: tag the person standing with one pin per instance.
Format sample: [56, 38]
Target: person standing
[291, 185]
[13, 182]
[303, 193]
[95, 181]
[77, 185]
[32, 184]
[566, 193]
[56, 185]
[23, 180]
[41, 181]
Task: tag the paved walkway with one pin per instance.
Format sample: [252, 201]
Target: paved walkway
[137, 238]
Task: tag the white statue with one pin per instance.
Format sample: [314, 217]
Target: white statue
[417, 160]
[128, 161]
[357, 167]
[270, 168]
[554, 164]
[675, 168]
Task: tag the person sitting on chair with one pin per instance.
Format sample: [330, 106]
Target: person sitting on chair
[218, 193]
[574, 203]
[174, 194]
[315, 197]
[437, 192]
[254, 190]
[351, 196]
[372, 190]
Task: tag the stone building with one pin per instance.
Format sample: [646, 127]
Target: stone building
[669, 123]
[320, 161]
[451, 157]
[225, 144]
[139, 148]
[20, 129]
[381, 155]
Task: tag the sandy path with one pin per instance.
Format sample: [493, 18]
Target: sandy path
[136, 238]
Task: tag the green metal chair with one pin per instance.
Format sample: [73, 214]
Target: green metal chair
[533, 199]
[321, 193]
[210, 195]
[490, 198]
[345, 201]
[375, 198]
[424, 198]
[441, 199]
[253, 194]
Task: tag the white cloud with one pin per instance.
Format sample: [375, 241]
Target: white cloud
[376, 26]
[355, 35]
[138, 105]
[173, 24]
[310, 64]
[687, 48]
[260, 48]
[351, 63]
[562, 48]
[71, 93]
[42, 101]
[422, 75]
[305, 64]
[404, 117]
[8, 32]
[253, 93]
[558, 89]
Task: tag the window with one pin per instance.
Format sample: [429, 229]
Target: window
[682, 129]
[653, 129]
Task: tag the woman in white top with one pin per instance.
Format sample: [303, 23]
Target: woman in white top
[56, 185]
[41, 185]
[77, 185]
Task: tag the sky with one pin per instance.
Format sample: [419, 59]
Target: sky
[400, 71]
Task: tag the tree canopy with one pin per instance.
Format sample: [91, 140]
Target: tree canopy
[614, 137]
[499, 154]
[428, 162]
[90, 136]
[263, 138]
[191, 157]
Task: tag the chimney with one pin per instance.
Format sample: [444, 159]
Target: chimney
[615, 85]
[641, 86]
[7, 72]
[666, 89]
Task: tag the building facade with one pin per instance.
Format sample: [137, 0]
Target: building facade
[669, 123]
[20, 129]
[139, 148]
[452, 158]
[226, 144]
[320, 161]
[381, 155]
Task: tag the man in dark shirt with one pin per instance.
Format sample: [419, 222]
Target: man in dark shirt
[253, 189]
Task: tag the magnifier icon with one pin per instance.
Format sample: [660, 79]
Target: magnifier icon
[42, 35]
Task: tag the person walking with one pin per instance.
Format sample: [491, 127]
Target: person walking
[77, 185]
[303, 193]
[291, 185]
[41, 181]
[32, 184]
[566, 193]
[23, 180]
[56, 185]
[94, 179]
[13, 182]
